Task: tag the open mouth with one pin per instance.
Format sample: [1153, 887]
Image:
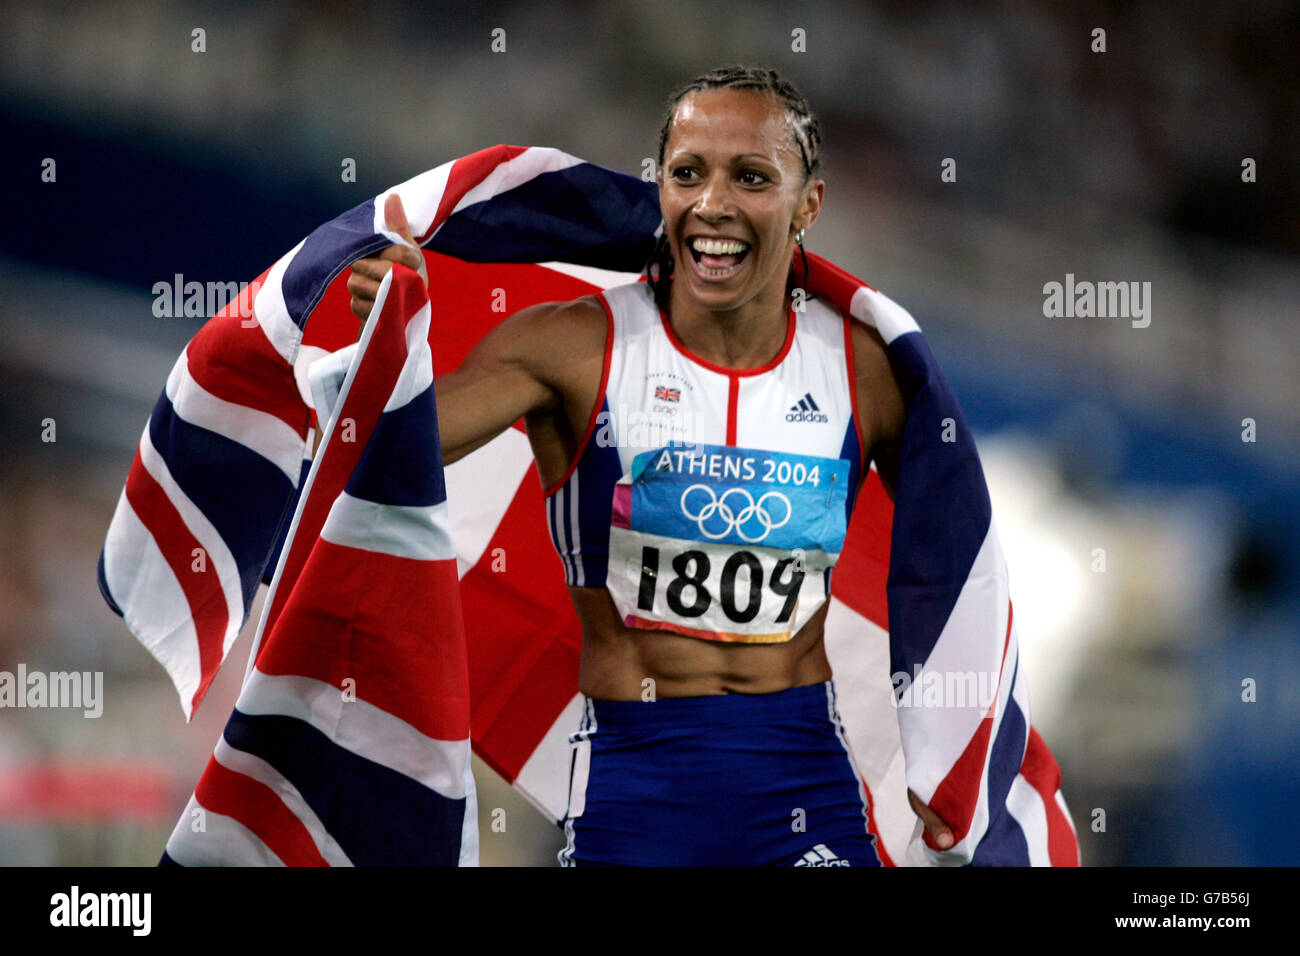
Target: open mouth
[717, 258]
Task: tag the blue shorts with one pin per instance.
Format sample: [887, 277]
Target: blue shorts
[724, 780]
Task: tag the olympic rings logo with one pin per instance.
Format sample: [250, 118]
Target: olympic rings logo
[733, 513]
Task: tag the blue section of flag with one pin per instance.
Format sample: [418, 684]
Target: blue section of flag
[402, 464]
[583, 214]
[101, 578]
[941, 515]
[377, 815]
[244, 495]
[1004, 844]
[324, 254]
[278, 545]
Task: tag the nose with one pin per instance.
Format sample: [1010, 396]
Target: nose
[715, 201]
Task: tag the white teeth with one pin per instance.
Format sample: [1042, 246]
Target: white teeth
[718, 247]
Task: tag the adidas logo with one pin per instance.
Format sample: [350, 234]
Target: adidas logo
[821, 855]
[806, 410]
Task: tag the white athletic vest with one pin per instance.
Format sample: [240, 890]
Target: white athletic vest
[709, 501]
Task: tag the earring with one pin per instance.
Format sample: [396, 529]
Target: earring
[798, 237]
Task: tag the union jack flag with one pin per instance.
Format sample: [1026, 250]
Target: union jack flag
[349, 743]
[666, 394]
[919, 584]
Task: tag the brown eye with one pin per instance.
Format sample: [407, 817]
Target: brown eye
[753, 172]
[682, 169]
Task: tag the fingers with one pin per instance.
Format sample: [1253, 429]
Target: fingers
[395, 218]
[373, 269]
[934, 825]
[368, 273]
[407, 256]
[410, 255]
[363, 283]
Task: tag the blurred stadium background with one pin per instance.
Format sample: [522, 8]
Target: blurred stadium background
[1120, 166]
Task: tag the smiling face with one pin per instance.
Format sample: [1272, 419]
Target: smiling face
[732, 194]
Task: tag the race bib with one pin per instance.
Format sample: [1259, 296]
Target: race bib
[725, 544]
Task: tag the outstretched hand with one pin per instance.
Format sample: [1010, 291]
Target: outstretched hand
[938, 830]
[367, 273]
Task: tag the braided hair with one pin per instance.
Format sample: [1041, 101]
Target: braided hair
[805, 126]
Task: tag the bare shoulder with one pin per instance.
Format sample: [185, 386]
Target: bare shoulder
[578, 317]
[880, 400]
[546, 335]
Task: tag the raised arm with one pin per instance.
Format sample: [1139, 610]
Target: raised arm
[515, 371]
[541, 364]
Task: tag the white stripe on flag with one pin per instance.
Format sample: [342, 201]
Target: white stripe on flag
[544, 777]
[882, 313]
[272, 313]
[325, 377]
[214, 546]
[935, 738]
[1065, 810]
[480, 488]
[469, 824]
[265, 434]
[1026, 808]
[223, 841]
[361, 728]
[858, 652]
[600, 278]
[417, 372]
[524, 168]
[421, 197]
[418, 532]
[258, 769]
[153, 604]
[302, 363]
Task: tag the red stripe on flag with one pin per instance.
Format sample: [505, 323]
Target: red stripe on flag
[863, 568]
[332, 324]
[829, 281]
[202, 589]
[257, 807]
[1040, 769]
[392, 625]
[523, 634]
[468, 291]
[465, 174]
[957, 796]
[365, 401]
[237, 363]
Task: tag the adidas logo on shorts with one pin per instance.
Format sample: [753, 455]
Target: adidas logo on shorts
[806, 410]
[821, 855]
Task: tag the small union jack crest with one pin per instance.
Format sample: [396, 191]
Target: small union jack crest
[666, 394]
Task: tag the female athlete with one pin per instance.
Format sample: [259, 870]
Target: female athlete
[698, 562]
